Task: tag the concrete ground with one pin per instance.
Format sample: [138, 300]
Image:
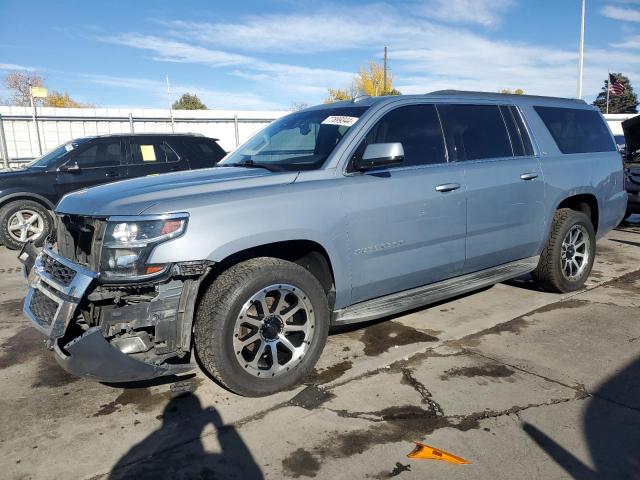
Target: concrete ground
[521, 383]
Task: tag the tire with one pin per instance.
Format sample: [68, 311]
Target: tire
[12, 214]
[235, 297]
[552, 273]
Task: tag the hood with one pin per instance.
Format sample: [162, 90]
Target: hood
[133, 197]
[8, 173]
[631, 129]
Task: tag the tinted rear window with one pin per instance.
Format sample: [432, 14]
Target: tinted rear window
[203, 152]
[478, 131]
[576, 130]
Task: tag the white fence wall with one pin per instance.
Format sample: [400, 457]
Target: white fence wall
[59, 125]
[615, 121]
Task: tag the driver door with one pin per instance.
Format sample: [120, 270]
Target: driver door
[407, 222]
[100, 161]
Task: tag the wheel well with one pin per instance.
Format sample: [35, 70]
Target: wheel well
[6, 201]
[306, 253]
[585, 203]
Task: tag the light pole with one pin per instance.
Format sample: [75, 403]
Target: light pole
[35, 120]
[173, 128]
[581, 50]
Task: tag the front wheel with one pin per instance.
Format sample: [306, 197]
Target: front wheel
[566, 260]
[22, 221]
[261, 326]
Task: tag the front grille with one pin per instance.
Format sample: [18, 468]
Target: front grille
[78, 239]
[43, 308]
[59, 272]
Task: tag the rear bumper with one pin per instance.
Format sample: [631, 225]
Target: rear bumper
[56, 288]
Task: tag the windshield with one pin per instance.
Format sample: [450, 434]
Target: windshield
[300, 141]
[52, 156]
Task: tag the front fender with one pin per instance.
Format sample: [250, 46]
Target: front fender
[9, 194]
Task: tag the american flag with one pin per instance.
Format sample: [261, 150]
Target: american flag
[616, 87]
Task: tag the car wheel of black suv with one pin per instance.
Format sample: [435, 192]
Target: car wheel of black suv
[22, 221]
[566, 260]
[261, 326]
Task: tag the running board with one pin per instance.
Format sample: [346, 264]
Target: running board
[434, 292]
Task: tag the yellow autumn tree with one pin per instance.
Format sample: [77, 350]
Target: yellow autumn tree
[368, 81]
[61, 100]
[517, 91]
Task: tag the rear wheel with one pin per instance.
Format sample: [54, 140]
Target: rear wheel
[22, 221]
[567, 258]
[261, 326]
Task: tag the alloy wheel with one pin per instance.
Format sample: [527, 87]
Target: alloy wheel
[274, 330]
[25, 225]
[574, 253]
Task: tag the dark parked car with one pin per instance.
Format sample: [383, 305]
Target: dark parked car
[28, 196]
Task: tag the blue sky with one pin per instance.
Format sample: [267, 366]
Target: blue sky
[269, 54]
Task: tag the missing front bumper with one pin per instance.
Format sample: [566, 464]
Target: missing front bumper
[56, 289]
[91, 356]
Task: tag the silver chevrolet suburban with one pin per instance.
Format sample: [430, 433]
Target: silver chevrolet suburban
[336, 214]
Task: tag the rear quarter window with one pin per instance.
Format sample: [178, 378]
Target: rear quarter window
[576, 130]
[203, 153]
[477, 131]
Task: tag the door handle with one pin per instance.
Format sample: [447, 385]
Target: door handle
[528, 176]
[447, 187]
[112, 174]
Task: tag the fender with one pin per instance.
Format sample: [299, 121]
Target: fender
[555, 203]
[4, 199]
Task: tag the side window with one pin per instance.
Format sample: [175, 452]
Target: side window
[100, 153]
[477, 131]
[577, 130]
[150, 151]
[203, 152]
[417, 127]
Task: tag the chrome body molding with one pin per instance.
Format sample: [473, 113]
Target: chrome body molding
[66, 297]
[417, 297]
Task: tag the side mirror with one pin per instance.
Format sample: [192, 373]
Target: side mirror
[71, 167]
[378, 155]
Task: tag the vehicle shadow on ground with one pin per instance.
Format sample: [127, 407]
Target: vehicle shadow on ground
[612, 431]
[176, 450]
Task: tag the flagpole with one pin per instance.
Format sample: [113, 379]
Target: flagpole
[608, 85]
[581, 50]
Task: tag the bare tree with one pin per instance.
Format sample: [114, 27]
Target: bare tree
[18, 83]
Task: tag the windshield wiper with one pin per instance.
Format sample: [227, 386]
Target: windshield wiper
[249, 164]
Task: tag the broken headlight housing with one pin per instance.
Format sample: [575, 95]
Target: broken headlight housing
[129, 241]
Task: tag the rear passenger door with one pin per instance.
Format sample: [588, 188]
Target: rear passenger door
[407, 222]
[152, 155]
[504, 184]
[96, 162]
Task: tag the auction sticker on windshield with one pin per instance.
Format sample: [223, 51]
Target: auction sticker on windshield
[340, 120]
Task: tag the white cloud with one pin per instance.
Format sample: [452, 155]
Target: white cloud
[621, 13]
[284, 77]
[172, 51]
[487, 13]
[14, 66]
[214, 99]
[425, 54]
[632, 42]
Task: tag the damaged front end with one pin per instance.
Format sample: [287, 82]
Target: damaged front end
[115, 325]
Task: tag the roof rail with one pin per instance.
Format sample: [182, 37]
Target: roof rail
[498, 94]
[358, 98]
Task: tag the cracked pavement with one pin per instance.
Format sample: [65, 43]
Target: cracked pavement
[522, 383]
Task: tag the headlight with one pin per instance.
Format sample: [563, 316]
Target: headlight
[128, 242]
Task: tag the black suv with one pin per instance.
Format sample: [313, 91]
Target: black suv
[28, 195]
